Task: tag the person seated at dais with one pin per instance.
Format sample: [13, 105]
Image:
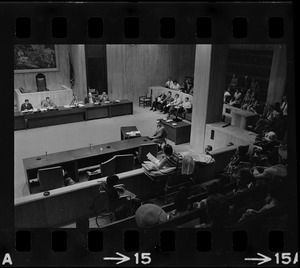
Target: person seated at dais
[75, 101]
[103, 97]
[26, 106]
[48, 103]
[90, 99]
[237, 98]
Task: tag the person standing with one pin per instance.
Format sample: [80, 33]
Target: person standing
[26, 106]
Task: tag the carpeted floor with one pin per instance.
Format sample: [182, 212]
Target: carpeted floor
[33, 142]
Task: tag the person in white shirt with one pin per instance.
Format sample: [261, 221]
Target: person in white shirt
[184, 107]
[90, 99]
[176, 85]
[169, 83]
[174, 104]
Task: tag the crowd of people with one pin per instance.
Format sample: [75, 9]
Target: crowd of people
[186, 88]
[49, 104]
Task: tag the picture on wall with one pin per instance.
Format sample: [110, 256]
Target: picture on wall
[35, 58]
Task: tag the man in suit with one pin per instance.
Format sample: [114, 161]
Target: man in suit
[160, 134]
[26, 106]
[48, 103]
[166, 101]
[90, 99]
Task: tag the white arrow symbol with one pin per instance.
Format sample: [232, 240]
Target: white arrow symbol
[262, 260]
[121, 259]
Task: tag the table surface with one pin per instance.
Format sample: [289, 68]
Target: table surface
[179, 124]
[75, 109]
[81, 153]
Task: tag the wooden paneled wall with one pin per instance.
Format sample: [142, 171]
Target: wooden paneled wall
[131, 69]
[53, 79]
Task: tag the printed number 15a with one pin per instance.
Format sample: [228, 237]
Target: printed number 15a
[143, 258]
[286, 258]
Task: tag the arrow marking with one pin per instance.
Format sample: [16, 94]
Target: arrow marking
[262, 260]
[121, 259]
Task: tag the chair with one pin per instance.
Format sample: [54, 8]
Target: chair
[145, 100]
[41, 82]
[124, 163]
[51, 178]
[144, 149]
[108, 167]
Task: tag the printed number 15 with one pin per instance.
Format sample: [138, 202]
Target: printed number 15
[285, 258]
[145, 258]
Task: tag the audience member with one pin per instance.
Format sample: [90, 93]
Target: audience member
[184, 107]
[169, 83]
[208, 150]
[175, 85]
[241, 155]
[249, 101]
[272, 171]
[217, 209]
[180, 202]
[158, 99]
[160, 134]
[26, 106]
[48, 103]
[148, 215]
[237, 98]
[170, 158]
[276, 196]
[90, 98]
[166, 101]
[269, 116]
[227, 96]
[173, 105]
[234, 81]
[188, 85]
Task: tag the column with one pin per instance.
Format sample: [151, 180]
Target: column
[78, 60]
[209, 85]
[278, 74]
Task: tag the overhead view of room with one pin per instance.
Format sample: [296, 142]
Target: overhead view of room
[147, 135]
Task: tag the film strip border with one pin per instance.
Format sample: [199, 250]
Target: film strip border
[170, 23]
[149, 23]
[191, 247]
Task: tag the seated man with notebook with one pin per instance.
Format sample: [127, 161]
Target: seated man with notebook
[160, 134]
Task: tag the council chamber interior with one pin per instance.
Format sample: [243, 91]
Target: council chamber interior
[98, 123]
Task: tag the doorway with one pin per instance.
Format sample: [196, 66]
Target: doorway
[96, 69]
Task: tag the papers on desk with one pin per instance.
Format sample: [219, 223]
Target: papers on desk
[68, 106]
[169, 120]
[43, 109]
[106, 102]
[149, 166]
[174, 124]
[117, 100]
[80, 105]
[133, 133]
